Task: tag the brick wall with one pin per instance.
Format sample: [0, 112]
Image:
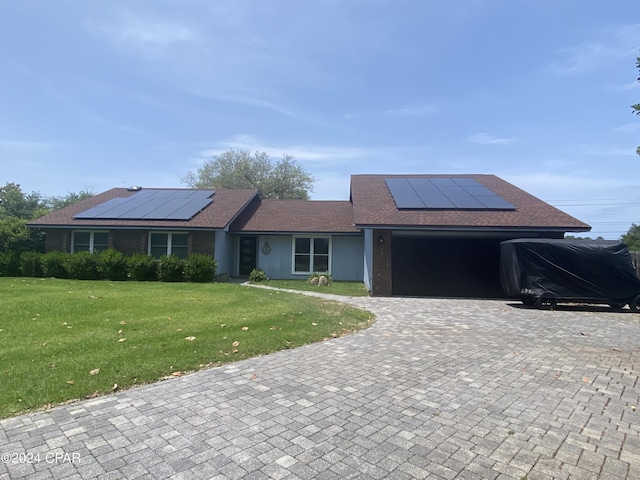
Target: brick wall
[202, 242]
[57, 240]
[381, 279]
[129, 241]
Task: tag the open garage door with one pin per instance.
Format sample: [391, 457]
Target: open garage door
[446, 267]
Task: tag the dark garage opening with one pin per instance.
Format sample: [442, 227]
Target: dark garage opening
[446, 267]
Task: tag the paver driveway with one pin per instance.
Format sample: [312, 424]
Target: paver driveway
[435, 389]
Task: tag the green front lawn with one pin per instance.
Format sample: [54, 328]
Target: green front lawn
[350, 289]
[62, 339]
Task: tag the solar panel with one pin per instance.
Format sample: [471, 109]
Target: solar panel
[152, 204]
[444, 193]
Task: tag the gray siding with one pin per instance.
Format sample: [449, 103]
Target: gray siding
[223, 252]
[347, 264]
[277, 262]
[346, 257]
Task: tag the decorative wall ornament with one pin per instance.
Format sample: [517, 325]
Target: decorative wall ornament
[266, 248]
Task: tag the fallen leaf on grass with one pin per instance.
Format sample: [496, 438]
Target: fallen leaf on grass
[123, 322]
[115, 387]
[95, 371]
[70, 382]
[176, 374]
[236, 343]
[245, 328]
[314, 324]
[223, 325]
[191, 339]
[122, 340]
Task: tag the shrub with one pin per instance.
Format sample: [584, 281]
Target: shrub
[199, 267]
[258, 275]
[142, 268]
[170, 268]
[112, 265]
[9, 264]
[31, 264]
[83, 266]
[54, 264]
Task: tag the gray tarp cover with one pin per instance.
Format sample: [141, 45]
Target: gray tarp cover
[571, 270]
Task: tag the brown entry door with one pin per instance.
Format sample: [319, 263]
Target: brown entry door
[248, 255]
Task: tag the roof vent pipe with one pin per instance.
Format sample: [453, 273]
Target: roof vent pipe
[134, 188]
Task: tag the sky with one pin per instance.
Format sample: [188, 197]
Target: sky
[108, 93]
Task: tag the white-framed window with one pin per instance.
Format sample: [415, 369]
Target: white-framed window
[89, 241]
[311, 254]
[167, 243]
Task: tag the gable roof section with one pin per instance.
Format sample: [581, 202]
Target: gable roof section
[297, 216]
[226, 206]
[374, 206]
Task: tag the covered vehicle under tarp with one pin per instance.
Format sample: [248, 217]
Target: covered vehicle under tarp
[547, 271]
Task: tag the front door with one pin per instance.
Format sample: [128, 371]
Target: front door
[248, 246]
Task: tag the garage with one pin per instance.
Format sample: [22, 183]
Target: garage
[446, 266]
[439, 235]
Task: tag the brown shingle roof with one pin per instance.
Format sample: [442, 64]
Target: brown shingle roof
[297, 216]
[374, 206]
[225, 207]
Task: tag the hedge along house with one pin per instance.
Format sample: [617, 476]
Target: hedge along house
[430, 235]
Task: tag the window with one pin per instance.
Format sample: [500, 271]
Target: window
[90, 242]
[168, 244]
[311, 254]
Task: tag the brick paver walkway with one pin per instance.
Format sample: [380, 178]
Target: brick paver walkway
[435, 389]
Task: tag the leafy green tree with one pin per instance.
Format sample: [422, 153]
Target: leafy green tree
[15, 203]
[16, 209]
[240, 169]
[58, 202]
[632, 238]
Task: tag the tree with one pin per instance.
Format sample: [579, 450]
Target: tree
[56, 203]
[636, 107]
[15, 203]
[632, 238]
[16, 209]
[240, 169]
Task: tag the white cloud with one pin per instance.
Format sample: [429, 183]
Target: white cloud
[315, 153]
[606, 150]
[25, 145]
[483, 138]
[629, 127]
[615, 43]
[624, 87]
[412, 111]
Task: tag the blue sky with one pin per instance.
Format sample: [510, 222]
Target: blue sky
[102, 94]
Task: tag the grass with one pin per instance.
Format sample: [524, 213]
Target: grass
[62, 340]
[349, 289]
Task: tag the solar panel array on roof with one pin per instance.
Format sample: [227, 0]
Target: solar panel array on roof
[443, 193]
[152, 204]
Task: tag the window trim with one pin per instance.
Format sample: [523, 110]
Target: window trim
[311, 254]
[170, 235]
[91, 239]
